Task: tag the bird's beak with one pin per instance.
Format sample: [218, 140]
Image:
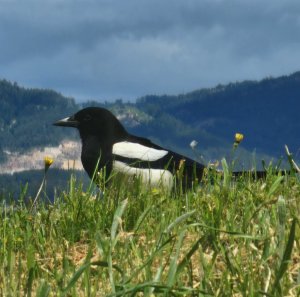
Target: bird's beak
[67, 122]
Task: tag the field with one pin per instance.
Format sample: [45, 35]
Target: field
[224, 238]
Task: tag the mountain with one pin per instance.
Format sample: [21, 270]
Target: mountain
[266, 112]
[26, 117]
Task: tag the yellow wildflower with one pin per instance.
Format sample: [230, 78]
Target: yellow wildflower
[238, 137]
[156, 191]
[48, 162]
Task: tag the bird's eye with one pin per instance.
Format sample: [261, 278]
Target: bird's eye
[87, 118]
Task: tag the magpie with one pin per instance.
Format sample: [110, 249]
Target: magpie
[106, 143]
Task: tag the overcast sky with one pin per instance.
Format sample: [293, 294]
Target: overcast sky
[108, 49]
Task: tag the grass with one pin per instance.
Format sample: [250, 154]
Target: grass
[224, 238]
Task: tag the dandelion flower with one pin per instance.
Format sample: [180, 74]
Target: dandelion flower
[238, 137]
[156, 191]
[48, 162]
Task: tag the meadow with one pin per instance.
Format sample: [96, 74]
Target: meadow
[225, 237]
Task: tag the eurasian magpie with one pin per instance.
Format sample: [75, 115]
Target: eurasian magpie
[106, 142]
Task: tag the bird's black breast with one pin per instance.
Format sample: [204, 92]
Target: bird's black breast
[95, 152]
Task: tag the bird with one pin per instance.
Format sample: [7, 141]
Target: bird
[107, 144]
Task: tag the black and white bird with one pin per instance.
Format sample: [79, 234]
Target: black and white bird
[106, 143]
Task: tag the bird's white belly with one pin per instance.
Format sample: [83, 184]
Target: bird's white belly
[152, 177]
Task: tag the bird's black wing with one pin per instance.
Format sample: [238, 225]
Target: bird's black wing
[157, 158]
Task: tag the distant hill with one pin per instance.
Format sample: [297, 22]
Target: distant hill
[26, 117]
[26, 184]
[265, 111]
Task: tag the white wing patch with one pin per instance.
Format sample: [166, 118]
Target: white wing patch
[152, 177]
[137, 151]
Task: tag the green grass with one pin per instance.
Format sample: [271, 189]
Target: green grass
[225, 238]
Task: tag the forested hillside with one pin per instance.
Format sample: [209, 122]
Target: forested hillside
[26, 117]
[266, 112]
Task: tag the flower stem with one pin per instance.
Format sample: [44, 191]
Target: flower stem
[39, 191]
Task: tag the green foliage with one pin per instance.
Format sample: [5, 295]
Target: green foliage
[227, 237]
[26, 117]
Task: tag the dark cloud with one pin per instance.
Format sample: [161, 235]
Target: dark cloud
[108, 49]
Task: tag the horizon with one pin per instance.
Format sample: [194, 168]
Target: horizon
[79, 100]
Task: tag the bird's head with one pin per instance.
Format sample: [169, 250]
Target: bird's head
[94, 121]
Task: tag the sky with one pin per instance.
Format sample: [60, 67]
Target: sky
[111, 49]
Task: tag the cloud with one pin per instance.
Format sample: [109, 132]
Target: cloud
[109, 49]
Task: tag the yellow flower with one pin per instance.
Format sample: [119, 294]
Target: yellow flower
[238, 137]
[48, 162]
[155, 191]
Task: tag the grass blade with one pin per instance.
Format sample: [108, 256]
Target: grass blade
[158, 250]
[30, 282]
[75, 277]
[113, 240]
[173, 265]
[286, 258]
[179, 220]
[294, 166]
[156, 280]
[189, 255]
[43, 290]
[141, 218]
[226, 173]
[101, 244]
[275, 185]
[117, 221]
[281, 209]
